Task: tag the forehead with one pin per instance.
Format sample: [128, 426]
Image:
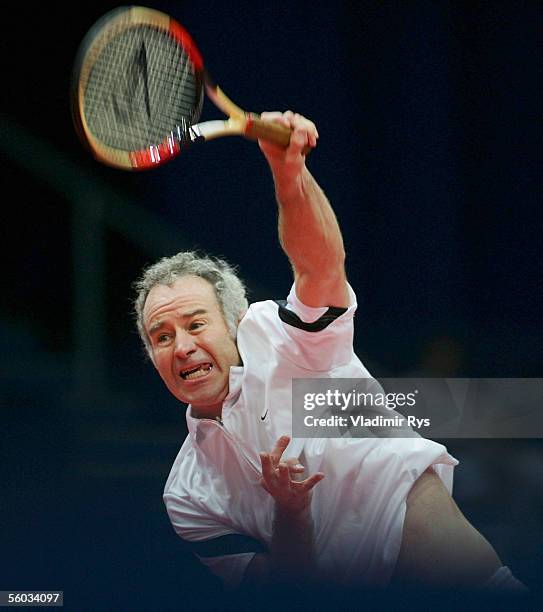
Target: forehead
[184, 293]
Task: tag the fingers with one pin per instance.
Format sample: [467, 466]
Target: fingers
[268, 470]
[274, 116]
[291, 120]
[283, 477]
[275, 479]
[279, 449]
[304, 132]
[294, 465]
[295, 468]
[277, 473]
[310, 482]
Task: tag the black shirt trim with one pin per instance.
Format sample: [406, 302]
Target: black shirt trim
[230, 544]
[291, 318]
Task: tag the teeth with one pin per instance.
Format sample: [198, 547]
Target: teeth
[198, 373]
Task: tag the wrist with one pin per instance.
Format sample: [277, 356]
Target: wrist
[293, 185]
[293, 515]
[292, 545]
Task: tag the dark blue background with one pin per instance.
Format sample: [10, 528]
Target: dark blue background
[429, 115]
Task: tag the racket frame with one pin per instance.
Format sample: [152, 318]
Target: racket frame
[239, 122]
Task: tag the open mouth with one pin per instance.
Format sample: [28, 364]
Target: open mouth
[198, 371]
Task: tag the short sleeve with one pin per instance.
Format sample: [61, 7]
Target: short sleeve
[308, 314]
[317, 339]
[230, 569]
[225, 553]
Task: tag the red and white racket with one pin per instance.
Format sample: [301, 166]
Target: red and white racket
[138, 92]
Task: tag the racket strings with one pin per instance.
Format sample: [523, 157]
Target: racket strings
[141, 87]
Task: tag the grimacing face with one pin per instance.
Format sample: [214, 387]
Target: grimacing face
[190, 344]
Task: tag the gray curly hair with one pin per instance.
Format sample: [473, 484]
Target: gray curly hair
[229, 289]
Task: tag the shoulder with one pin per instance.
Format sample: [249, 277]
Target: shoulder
[318, 339]
[292, 313]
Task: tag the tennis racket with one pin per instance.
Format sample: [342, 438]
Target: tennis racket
[138, 90]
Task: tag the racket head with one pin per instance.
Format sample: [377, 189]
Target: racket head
[138, 87]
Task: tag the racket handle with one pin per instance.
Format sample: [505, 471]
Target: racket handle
[269, 130]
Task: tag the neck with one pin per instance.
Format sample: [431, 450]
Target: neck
[206, 412]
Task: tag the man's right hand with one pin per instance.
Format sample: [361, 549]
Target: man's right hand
[284, 482]
[292, 549]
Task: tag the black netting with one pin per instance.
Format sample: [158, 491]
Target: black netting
[140, 88]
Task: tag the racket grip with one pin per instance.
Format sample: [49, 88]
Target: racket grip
[269, 130]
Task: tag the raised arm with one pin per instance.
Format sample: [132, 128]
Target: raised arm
[308, 229]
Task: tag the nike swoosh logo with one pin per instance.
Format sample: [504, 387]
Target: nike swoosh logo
[265, 415]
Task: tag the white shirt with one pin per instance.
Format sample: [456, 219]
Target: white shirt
[213, 494]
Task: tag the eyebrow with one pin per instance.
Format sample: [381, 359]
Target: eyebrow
[159, 324]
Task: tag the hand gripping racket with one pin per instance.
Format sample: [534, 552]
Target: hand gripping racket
[138, 92]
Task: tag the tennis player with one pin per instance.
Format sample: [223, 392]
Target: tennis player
[255, 504]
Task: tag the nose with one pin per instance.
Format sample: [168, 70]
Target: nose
[184, 345]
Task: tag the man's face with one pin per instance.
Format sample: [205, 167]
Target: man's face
[191, 346]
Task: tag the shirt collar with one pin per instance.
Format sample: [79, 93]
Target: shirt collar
[234, 390]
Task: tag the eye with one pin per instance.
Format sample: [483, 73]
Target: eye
[196, 325]
[162, 338]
